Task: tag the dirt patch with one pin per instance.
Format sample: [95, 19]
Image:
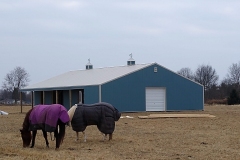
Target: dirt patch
[134, 138]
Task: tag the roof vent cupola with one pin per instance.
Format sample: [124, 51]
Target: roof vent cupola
[131, 61]
[89, 65]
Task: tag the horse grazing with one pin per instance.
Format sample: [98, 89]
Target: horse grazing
[48, 118]
[103, 115]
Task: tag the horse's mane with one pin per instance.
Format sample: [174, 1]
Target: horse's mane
[71, 112]
[26, 122]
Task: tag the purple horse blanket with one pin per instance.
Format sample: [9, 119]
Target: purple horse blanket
[46, 117]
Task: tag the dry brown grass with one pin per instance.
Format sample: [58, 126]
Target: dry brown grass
[165, 138]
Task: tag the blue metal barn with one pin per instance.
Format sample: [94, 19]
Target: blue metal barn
[130, 88]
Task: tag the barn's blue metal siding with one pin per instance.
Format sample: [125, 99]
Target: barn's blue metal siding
[181, 93]
[91, 94]
[128, 93]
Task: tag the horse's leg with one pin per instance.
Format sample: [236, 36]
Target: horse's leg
[104, 136]
[33, 138]
[85, 137]
[45, 137]
[110, 136]
[77, 136]
[58, 139]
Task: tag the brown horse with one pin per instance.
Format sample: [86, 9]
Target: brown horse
[48, 118]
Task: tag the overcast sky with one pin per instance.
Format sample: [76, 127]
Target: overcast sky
[51, 37]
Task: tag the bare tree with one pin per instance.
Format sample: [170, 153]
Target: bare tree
[234, 74]
[15, 80]
[207, 76]
[186, 72]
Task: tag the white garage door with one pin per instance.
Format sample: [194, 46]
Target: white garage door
[155, 99]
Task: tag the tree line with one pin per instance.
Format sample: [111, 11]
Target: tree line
[225, 92]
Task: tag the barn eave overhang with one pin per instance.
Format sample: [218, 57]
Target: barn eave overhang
[57, 88]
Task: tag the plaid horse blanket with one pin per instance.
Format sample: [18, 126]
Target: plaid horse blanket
[46, 117]
[103, 115]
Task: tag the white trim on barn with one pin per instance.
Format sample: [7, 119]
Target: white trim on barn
[155, 99]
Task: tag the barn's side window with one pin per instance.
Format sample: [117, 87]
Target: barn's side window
[155, 69]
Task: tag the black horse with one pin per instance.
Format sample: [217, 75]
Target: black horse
[103, 115]
[48, 118]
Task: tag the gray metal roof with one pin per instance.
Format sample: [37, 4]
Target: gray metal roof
[95, 76]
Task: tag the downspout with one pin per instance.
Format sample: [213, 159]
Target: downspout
[43, 97]
[32, 98]
[70, 98]
[100, 93]
[56, 97]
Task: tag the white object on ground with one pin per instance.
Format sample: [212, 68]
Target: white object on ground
[126, 117]
[3, 113]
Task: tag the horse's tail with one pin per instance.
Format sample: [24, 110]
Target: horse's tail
[59, 133]
[62, 129]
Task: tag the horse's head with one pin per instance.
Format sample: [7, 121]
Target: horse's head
[117, 115]
[26, 137]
